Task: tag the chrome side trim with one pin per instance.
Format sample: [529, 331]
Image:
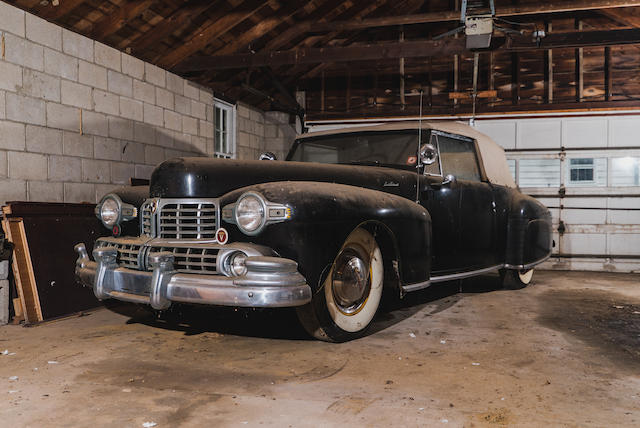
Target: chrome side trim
[528, 265]
[415, 287]
[463, 275]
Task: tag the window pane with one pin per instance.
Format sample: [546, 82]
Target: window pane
[539, 173]
[218, 141]
[434, 168]
[224, 123]
[512, 167]
[625, 171]
[217, 118]
[587, 172]
[459, 158]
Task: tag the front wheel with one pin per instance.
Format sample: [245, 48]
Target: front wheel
[344, 307]
[516, 279]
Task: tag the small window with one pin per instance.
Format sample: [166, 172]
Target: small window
[458, 157]
[539, 173]
[512, 167]
[625, 171]
[586, 172]
[224, 135]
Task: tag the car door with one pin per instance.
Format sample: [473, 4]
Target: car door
[461, 205]
[476, 243]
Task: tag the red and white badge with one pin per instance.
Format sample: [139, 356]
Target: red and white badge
[222, 236]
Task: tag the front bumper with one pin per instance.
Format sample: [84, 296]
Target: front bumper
[270, 282]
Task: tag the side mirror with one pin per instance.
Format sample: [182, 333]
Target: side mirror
[268, 156]
[428, 154]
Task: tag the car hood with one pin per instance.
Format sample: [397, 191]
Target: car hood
[212, 178]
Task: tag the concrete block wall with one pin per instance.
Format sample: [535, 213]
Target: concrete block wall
[78, 117]
[259, 132]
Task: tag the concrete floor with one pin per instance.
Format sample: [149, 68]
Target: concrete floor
[563, 352]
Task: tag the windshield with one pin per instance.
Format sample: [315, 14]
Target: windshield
[388, 148]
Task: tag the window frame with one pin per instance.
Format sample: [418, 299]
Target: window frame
[578, 167]
[479, 164]
[231, 110]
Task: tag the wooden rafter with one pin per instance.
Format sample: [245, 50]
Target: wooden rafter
[111, 23]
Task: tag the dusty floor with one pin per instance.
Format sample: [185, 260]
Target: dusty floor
[563, 352]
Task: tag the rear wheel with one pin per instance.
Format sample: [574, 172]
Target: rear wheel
[516, 279]
[344, 307]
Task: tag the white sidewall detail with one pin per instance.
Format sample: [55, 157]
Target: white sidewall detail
[526, 277]
[361, 319]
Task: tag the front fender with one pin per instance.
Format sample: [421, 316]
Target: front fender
[323, 216]
[528, 232]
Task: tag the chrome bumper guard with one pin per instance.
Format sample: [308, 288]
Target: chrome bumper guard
[270, 282]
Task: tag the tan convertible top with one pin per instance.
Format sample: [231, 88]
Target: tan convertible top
[491, 154]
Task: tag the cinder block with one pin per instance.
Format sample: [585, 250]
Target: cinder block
[182, 141]
[65, 168]
[119, 83]
[189, 125]
[103, 189]
[144, 92]
[40, 85]
[80, 192]
[106, 102]
[132, 152]
[25, 109]
[75, 144]
[45, 191]
[11, 77]
[63, 117]
[206, 129]
[121, 172]
[210, 109]
[23, 52]
[164, 137]
[143, 133]
[153, 155]
[11, 19]
[3, 110]
[43, 140]
[191, 90]
[95, 123]
[183, 105]
[175, 83]
[3, 164]
[107, 56]
[77, 46]
[164, 98]
[92, 75]
[76, 95]
[198, 109]
[131, 109]
[171, 153]
[59, 64]
[144, 171]
[206, 96]
[172, 120]
[132, 66]
[256, 116]
[243, 111]
[153, 115]
[199, 144]
[27, 166]
[106, 148]
[12, 135]
[96, 171]
[43, 32]
[12, 190]
[154, 75]
[120, 128]
[246, 153]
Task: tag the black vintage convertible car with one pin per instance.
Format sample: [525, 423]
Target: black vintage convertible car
[348, 215]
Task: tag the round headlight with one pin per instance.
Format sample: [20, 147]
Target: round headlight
[109, 211]
[237, 265]
[250, 213]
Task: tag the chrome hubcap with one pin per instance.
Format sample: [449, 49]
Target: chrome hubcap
[350, 280]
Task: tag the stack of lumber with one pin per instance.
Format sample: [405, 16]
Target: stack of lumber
[43, 261]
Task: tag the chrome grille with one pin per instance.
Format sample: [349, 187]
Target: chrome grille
[191, 260]
[145, 218]
[187, 219]
[127, 253]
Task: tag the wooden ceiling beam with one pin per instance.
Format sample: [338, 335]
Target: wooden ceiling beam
[52, 13]
[203, 36]
[407, 49]
[628, 17]
[423, 18]
[174, 22]
[112, 22]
